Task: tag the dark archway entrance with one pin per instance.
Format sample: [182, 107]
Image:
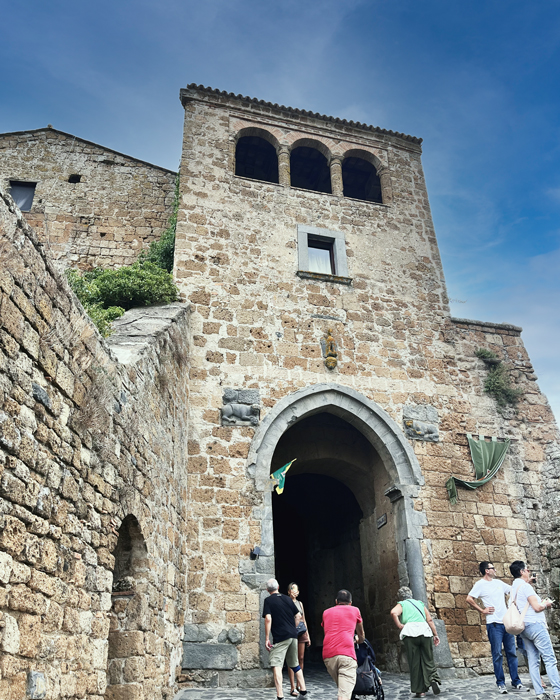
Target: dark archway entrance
[367, 452]
[317, 543]
[325, 524]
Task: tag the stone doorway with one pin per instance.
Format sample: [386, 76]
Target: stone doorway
[368, 455]
[325, 524]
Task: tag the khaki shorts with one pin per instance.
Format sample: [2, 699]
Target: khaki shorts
[342, 670]
[286, 649]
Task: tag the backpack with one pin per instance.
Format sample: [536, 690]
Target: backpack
[364, 678]
[513, 619]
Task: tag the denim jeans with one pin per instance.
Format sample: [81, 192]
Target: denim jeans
[498, 636]
[537, 642]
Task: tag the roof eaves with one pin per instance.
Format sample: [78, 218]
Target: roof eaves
[300, 112]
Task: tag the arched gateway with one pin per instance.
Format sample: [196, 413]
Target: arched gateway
[346, 517]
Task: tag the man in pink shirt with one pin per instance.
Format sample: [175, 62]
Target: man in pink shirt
[340, 624]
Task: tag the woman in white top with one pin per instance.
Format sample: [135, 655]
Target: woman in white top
[535, 635]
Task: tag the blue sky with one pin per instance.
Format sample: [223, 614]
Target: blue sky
[479, 82]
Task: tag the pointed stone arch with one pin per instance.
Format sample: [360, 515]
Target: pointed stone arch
[397, 457]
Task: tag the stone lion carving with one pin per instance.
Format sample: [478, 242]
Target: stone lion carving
[240, 413]
[420, 430]
[241, 407]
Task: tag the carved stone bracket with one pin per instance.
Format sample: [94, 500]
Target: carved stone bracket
[421, 423]
[241, 407]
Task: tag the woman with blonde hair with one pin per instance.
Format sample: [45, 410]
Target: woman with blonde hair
[303, 636]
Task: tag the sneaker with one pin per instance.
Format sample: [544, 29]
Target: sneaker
[502, 689]
[435, 688]
[520, 688]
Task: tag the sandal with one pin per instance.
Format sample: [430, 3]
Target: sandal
[294, 693]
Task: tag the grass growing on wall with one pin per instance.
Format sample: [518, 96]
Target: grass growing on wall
[498, 382]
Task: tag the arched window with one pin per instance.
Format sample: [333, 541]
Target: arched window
[309, 169]
[131, 555]
[256, 158]
[130, 612]
[360, 180]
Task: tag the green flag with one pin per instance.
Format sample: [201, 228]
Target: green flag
[487, 458]
[280, 476]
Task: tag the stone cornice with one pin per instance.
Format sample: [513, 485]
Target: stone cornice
[192, 91]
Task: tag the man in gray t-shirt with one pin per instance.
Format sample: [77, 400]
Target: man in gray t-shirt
[492, 592]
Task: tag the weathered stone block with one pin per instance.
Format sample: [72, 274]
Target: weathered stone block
[125, 644]
[209, 656]
[36, 685]
[10, 635]
[130, 691]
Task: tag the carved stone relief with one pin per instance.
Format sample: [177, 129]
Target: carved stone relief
[421, 423]
[241, 407]
[330, 350]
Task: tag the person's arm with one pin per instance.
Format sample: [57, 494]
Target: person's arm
[267, 626]
[538, 607]
[483, 611]
[360, 632]
[432, 626]
[308, 643]
[396, 612]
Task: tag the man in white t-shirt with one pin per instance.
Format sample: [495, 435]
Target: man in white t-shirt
[492, 592]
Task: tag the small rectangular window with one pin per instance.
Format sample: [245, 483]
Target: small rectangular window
[23, 193]
[321, 255]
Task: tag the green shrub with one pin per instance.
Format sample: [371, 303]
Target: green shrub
[140, 284]
[103, 317]
[106, 294]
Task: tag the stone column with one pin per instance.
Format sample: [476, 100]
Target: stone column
[232, 147]
[284, 166]
[386, 189]
[336, 176]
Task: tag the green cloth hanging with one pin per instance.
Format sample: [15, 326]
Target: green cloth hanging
[487, 458]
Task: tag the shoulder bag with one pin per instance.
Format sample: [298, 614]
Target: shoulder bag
[513, 619]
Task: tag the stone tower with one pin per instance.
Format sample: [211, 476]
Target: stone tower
[321, 332]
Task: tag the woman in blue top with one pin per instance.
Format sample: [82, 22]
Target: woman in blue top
[417, 629]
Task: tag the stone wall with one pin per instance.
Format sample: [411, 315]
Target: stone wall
[119, 206]
[258, 325]
[92, 482]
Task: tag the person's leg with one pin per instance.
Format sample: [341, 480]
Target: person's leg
[292, 661]
[332, 668]
[532, 660]
[511, 656]
[277, 673]
[427, 665]
[541, 640]
[346, 677]
[413, 656]
[301, 653]
[292, 680]
[495, 636]
[276, 659]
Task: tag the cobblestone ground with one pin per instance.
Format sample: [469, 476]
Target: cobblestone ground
[396, 687]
